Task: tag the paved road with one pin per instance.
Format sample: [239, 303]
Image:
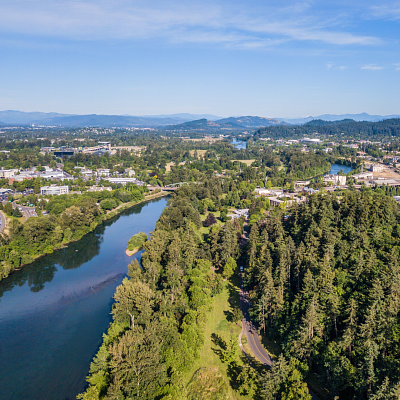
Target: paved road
[248, 328]
[251, 331]
[28, 211]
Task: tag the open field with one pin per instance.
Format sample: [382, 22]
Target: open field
[207, 379]
[247, 162]
[206, 230]
[388, 173]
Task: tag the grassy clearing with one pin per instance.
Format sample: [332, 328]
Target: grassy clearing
[206, 230]
[208, 378]
[209, 384]
[247, 162]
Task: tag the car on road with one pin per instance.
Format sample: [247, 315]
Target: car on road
[241, 268]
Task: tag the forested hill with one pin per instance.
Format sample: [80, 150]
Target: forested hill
[321, 122]
[362, 130]
[232, 123]
[161, 309]
[325, 283]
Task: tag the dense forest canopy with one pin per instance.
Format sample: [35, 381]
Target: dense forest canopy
[356, 130]
[326, 282]
[161, 308]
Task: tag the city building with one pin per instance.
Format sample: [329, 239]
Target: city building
[377, 168]
[124, 181]
[7, 173]
[95, 188]
[54, 190]
[103, 172]
[335, 179]
[363, 175]
[310, 141]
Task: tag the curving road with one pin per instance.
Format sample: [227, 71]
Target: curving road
[251, 331]
[248, 328]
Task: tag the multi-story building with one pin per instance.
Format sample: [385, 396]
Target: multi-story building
[54, 190]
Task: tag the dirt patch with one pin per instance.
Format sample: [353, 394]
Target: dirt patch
[130, 253]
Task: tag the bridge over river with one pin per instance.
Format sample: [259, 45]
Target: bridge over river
[171, 187]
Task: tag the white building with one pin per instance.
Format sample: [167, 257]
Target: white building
[86, 172]
[262, 191]
[95, 188]
[377, 168]
[335, 179]
[124, 181]
[7, 173]
[54, 190]
[363, 175]
[103, 172]
[286, 201]
[130, 172]
[310, 141]
[50, 173]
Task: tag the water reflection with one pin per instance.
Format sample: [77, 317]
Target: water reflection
[73, 256]
[53, 313]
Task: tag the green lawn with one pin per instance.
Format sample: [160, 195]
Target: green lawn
[217, 323]
[206, 230]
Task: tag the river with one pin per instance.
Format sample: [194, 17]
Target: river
[335, 168]
[53, 312]
[239, 144]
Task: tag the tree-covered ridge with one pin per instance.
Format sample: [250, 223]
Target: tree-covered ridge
[161, 308]
[326, 282]
[365, 130]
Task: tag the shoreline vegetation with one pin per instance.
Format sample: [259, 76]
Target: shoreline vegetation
[136, 243]
[107, 216]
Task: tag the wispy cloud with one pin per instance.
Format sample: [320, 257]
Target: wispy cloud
[372, 67]
[342, 68]
[397, 66]
[222, 22]
[389, 11]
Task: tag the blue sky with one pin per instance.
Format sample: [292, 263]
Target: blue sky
[266, 58]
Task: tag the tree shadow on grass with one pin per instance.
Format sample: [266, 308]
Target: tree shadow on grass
[220, 343]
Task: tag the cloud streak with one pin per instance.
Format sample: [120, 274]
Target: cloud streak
[174, 21]
[387, 11]
[372, 67]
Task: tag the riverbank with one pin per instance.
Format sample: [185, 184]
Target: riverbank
[106, 217]
[54, 312]
[112, 213]
[130, 253]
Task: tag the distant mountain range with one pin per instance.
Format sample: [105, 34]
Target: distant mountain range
[332, 117]
[12, 117]
[231, 123]
[180, 122]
